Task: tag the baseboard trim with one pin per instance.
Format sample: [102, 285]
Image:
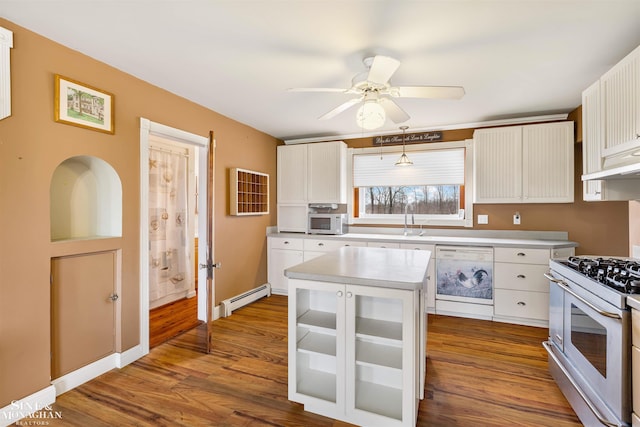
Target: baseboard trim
[86, 373]
[93, 370]
[129, 356]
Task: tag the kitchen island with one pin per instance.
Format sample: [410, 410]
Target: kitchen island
[357, 334]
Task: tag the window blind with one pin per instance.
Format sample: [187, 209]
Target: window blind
[430, 167]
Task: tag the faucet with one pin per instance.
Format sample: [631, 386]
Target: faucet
[413, 219]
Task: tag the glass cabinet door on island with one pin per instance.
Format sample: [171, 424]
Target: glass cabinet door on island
[353, 352]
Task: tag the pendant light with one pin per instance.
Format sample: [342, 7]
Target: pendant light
[403, 160]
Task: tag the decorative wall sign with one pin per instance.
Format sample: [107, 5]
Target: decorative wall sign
[81, 105]
[411, 138]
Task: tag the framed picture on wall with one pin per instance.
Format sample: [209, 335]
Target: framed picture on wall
[84, 106]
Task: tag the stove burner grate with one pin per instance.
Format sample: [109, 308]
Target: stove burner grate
[620, 274]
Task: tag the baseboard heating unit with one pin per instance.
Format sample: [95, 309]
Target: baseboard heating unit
[229, 305]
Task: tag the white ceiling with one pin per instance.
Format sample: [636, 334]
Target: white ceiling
[515, 58]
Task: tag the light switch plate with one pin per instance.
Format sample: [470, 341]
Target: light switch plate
[483, 219]
[636, 251]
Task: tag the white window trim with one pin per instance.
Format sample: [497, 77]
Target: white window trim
[6, 43]
[421, 220]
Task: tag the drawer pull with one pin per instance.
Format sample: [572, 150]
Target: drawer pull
[286, 242]
[320, 244]
[521, 303]
[521, 254]
[521, 276]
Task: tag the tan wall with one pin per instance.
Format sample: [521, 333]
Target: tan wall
[600, 228]
[32, 145]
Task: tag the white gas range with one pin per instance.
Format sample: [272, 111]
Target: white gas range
[589, 344]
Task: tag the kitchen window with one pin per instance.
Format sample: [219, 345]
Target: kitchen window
[435, 190]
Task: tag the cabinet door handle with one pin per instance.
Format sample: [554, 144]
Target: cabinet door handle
[521, 303]
[339, 293]
[349, 294]
[521, 276]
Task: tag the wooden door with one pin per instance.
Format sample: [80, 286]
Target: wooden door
[83, 301]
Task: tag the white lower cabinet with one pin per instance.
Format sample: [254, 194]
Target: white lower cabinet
[352, 352]
[521, 293]
[282, 254]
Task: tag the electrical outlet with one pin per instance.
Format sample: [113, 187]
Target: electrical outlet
[483, 219]
[516, 219]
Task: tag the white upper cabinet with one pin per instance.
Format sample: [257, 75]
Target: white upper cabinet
[620, 90]
[309, 173]
[611, 133]
[547, 163]
[312, 173]
[592, 137]
[524, 164]
[292, 174]
[497, 165]
[327, 172]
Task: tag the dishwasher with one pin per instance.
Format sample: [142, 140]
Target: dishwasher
[464, 280]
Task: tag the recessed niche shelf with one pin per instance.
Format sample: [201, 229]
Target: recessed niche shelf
[249, 192]
[86, 200]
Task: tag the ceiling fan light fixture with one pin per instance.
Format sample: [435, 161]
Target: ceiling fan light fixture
[371, 115]
[404, 159]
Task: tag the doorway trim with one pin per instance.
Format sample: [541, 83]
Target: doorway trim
[147, 127]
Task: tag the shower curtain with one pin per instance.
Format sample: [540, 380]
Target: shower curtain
[170, 276]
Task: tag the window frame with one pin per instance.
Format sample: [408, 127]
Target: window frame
[420, 219]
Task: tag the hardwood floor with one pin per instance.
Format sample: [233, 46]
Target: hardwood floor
[172, 319]
[479, 373]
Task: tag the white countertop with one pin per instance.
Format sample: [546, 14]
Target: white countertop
[439, 240]
[387, 268]
[633, 301]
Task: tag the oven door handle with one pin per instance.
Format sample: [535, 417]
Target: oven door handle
[566, 288]
[584, 397]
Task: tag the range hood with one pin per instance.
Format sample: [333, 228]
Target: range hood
[622, 172]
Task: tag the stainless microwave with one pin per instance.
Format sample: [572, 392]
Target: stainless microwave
[327, 223]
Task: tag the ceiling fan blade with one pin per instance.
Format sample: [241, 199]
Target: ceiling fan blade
[382, 69]
[441, 92]
[393, 110]
[317, 89]
[340, 108]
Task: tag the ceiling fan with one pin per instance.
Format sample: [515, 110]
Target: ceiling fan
[373, 90]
